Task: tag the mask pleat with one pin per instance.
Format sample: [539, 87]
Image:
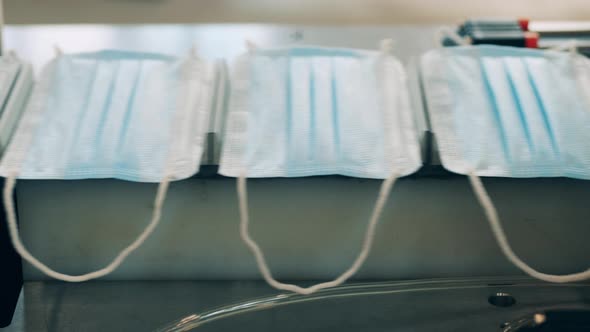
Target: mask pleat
[335, 110]
[129, 104]
[268, 95]
[324, 131]
[74, 155]
[472, 120]
[311, 155]
[289, 114]
[110, 147]
[110, 73]
[68, 155]
[55, 129]
[509, 111]
[493, 100]
[361, 119]
[540, 140]
[538, 94]
[151, 106]
[300, 110]
[516, 96]
[88, 125]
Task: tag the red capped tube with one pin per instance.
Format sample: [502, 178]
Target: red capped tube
[524, 23]
[531, 39]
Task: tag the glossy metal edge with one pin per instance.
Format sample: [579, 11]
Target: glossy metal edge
[193, 321]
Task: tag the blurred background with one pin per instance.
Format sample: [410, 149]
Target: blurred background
[286, 11]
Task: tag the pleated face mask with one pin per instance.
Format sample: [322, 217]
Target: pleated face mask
[316, 111]
[502, 111]
[510, 112]
[131, 116]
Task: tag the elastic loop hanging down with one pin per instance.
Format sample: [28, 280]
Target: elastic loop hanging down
[20, 248]
[261, 261]
[494, 220]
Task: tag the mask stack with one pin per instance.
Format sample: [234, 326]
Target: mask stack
[131, 116]
[316, 111]
[295, 112]
[510, 112]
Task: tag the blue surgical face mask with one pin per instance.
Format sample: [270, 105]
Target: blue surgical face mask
[317, 111]
[131, 116]
[314, 111]
[503, 111]
[510, 112]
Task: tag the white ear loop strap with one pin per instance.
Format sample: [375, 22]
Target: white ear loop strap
[261, 261]
[20, 248]
[494, 220]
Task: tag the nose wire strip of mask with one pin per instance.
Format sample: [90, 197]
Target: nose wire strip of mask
[25, 254]
[356, 265]
[492, 216]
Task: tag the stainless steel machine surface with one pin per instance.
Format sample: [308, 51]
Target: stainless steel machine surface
[474, 304]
